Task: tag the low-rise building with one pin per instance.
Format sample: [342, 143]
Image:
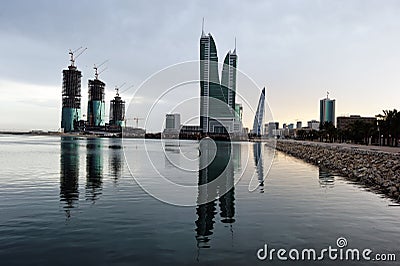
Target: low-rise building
[344, 122]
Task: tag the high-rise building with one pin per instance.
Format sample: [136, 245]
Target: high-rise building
[173, 121]
[239, 111]
[259, 116]
[71, 98]
[228, 81]
[117, 111]
[217, 103]
[299, 124]
[96, 103]
[327, 110]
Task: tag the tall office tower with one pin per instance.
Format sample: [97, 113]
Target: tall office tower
[259, 116]
[209, 80]
[327, 110]
[228, 79]
[71, 97]
[96, 104]
[217, 103]
[117, 111]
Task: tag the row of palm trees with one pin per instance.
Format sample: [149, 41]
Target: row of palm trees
[385, 132]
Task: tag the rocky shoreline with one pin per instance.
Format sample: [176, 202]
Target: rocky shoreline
[375, 169]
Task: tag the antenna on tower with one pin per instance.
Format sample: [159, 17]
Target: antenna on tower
[235, 46]
[202, 27]
[327, 94]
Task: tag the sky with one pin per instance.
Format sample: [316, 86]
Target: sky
[298, 50]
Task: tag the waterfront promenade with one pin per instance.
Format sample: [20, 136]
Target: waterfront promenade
[375, 167]
[350, 146]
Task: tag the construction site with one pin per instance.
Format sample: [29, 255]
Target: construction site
[95, 124]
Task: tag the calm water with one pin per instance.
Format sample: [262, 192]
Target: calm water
[74, 202]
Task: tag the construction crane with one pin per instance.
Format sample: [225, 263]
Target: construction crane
[74, 56]
[96, 73]
[136, 119]
[117, 88]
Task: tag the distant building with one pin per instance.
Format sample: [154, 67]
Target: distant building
[271, 127]
[313, 124]
[291, 126]
[131, 132]
[117, 111]
[299, 125]
[190, 129]
[239, 111]
[173, 121]
[327, 110]
[277, 133]
[172, 125]
[344, 122]
[259, 116]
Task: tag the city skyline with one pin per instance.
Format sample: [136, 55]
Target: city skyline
[298, 51]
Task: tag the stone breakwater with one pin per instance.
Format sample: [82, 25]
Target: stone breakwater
[377, 170]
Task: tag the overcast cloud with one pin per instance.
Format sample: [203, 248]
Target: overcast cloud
[297, 49]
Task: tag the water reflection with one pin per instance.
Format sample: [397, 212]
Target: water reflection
[258, 162]
[326, 178]
[94, 169]
[172, 148]
[115, 158]
[69, 173]
[223, 169]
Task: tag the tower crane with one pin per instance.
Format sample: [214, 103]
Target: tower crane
[75, 54]
[96, 68]
[136, 119]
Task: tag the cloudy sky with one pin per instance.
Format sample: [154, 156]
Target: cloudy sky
[297, 49]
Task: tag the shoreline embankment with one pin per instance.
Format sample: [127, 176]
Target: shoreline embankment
[376, 169]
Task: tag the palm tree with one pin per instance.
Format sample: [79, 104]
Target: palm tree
[390, 127]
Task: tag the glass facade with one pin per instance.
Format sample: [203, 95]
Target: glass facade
[217, 98]
[96, 104]
[71, 98]
[259, 116]
[327, 110]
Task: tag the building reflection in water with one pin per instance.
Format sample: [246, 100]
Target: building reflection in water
[171, 147]
[258, 162]
[115, 158]
[94, 169]
[69, 173]
[223, 169]
[326, 178]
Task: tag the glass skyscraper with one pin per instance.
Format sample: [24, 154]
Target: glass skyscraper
[71, 98]
[327, 110]
[259, 116]
[217, 103]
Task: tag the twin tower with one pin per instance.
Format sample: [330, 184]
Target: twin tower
[219, 113]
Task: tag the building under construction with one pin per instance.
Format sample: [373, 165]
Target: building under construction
[71, 104]
[71, 96]
[117, 112]
[96, 104]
